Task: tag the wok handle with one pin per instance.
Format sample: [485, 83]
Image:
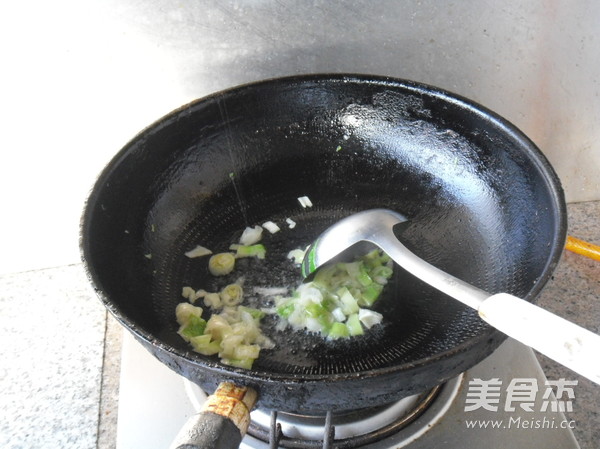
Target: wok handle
[567, 343]
[222, 422]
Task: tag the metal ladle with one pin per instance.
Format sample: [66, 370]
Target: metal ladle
[567, 343]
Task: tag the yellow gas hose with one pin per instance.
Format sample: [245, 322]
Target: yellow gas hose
[583, 248]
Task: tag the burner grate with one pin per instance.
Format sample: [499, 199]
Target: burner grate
[276, 437]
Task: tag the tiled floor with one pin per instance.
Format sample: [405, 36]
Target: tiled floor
[109, 394]
[51, 335]
[574, 293]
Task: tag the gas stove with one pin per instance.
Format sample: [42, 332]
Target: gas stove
[503, 402]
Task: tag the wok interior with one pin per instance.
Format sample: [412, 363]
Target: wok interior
[478, 197]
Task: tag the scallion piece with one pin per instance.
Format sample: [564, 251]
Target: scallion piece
[370, 294]
[204, 344]
[382, 271]
[194, 327]
[254, 313]
[257, 251]
[250, 236]
[184, 311]
[221, 264]
[336, 294]
[285, 310]
[364, 279]
[315, 310]
[354, 326]
[348, 302]
[338, 330]
[231, 295]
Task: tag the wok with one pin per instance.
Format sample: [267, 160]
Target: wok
[483, 203]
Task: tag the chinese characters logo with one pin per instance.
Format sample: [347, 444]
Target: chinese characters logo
[557, 395]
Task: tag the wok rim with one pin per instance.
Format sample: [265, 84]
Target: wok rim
[214, 368]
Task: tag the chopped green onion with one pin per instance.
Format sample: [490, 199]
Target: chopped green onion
[370, 294]
[250, 236]
[330, 304]
[271, 227]
[354, 326]
[324, 276]
[369, 318]
[348, 302]
[188, 293]
[338, 314]
[213, 300]
[338, 330]
[382, 271]
[305, 201]
[194, 327]
[254, 313]
[257, 251]
[285, 310]
[315, 310]
[231, 295]
[184, 311]
[297, 255]
[218, 327]
[198, 251]
[221, 264]
[204, 344]
[228, 345]
[335, 296]
[364, 278]
[246, 352]
[234, 333]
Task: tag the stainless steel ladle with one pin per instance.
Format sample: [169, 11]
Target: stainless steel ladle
[567, 343]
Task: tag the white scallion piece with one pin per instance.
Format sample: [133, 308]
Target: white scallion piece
[185, 310]
[199, 294]
[250, 236]
[271, 291]
[338, 314]
[271, 227]
[198, 251]
[221, 264]
[297, 255]
[231, 295]
[369, 318]
[212, 300]
[291, 223]
[305, 201]
[188, 293]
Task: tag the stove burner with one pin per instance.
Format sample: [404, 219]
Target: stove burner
[348, 429]
[392, 425]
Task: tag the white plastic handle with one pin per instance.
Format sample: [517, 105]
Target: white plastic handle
[567, 343]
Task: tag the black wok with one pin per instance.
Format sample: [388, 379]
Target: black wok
[483, 203]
